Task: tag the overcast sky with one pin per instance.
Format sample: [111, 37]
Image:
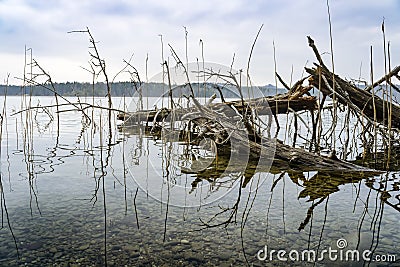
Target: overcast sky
[123, 28]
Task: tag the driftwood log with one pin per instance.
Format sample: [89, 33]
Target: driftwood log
[264, 106]
[362, 101]
[282, 156]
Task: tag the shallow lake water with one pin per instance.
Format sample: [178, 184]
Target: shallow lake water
[68, 199]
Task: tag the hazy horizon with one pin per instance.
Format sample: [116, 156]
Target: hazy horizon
[226, 30]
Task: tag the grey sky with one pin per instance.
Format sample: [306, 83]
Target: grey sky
[123, 28]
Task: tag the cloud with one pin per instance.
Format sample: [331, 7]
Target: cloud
[123, 28]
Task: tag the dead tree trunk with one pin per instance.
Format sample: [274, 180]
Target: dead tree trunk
[358, 99]
[362, 101]
[264, 106]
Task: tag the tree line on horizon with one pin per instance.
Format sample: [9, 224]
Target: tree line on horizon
[99, 89]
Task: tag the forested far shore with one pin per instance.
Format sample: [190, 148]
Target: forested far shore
[117, 89]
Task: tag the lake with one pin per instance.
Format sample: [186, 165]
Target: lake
[71, 199]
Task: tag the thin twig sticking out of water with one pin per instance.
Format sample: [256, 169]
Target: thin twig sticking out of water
[321, 103]
[28, 130]
[103, 175]
[385, 90]
[168, 181]
[179, 62]
[334, 100]
[203, 68]
[125, 170]
[374, 107]
[163, 69]
[147, 80]
[188, 139]
[276, 89]
[4, 120]
[3, 204]
[333, 79]
[171, 100]
[390, 108]
[347, 131]
[134, 79]
[248, 80]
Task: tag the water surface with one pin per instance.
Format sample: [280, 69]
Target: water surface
[71, 199]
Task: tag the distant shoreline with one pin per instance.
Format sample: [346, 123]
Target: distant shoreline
[83, 89]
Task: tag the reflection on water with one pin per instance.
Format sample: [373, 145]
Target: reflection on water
[68, 198]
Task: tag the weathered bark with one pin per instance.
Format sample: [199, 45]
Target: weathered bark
[291, 158]
[283, 157]
[264, 106]
[361, 101]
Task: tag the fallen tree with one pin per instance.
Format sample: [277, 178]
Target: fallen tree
[219, 121]
[264, 106]
[361, 101]
[258, 150]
